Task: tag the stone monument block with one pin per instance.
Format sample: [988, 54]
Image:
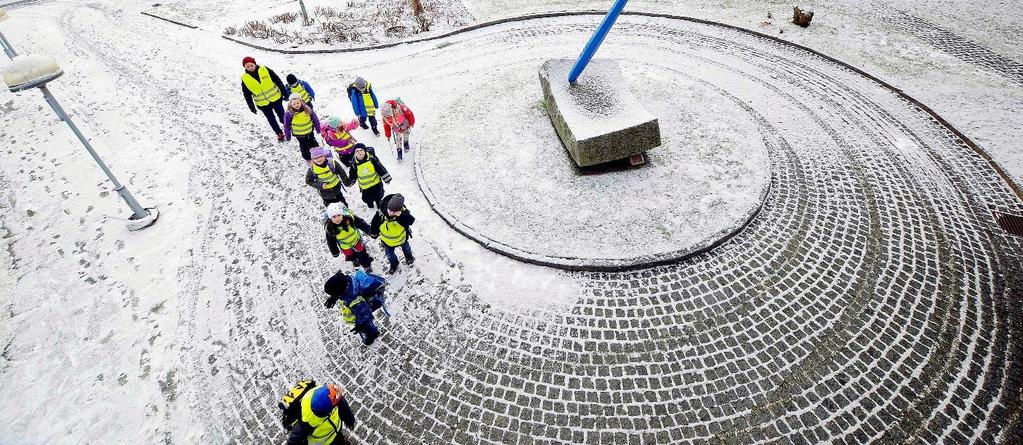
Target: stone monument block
[598, 118]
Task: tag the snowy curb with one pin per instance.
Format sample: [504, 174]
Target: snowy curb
[1009, 181]
[590, 264]
[186, 25]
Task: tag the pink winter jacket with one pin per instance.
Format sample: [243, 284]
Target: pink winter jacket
[344, 140]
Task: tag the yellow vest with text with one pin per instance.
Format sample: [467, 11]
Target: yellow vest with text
[325, 429]
[368, 176]
[301, 123]
[392, 233]
[263, 90]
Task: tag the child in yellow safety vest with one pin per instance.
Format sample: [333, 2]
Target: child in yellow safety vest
[364, 103]
[301, 121]
[393, 225]
[370, 174]
[301, 88]
[318, 416]
[327, 176]
[344, 235]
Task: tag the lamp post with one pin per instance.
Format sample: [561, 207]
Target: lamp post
[30, 71]
[8, 49]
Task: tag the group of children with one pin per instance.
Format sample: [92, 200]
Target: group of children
[342, 162]
[316, 412]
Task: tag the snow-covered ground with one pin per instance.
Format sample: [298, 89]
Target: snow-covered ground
[138, 337]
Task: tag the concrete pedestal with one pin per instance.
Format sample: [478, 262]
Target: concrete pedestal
[597, 118]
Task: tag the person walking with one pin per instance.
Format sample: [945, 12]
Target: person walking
[336, 134]
[344, 235]
[392, 224]
[262, 89]
[398, 120]
[364, 103]
[301, 88]
[300, 121]
[370, 173]
[321, 412]
[327, 176]
[360, 294]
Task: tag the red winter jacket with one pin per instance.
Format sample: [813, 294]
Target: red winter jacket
[400, 123]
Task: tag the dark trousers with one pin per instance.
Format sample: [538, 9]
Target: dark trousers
[305, 143]
[372, 121]
[333, 195]
[360, 258]
[373, 195]
[270, 110]
[406, 250]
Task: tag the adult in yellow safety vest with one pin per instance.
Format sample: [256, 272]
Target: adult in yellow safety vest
[327, 176]
[364, 103]
[262, 89]
[392, 224]
[324, 411]
[344, 235]
[301, 121]
[301, 88]
[370, 173]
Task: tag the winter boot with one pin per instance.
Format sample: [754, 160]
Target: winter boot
[394, 268]
[410, 260]
[280, 137]
[399, 153]
[406, 146]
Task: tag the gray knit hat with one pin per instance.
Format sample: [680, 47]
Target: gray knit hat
[360, 83]
[396, 203]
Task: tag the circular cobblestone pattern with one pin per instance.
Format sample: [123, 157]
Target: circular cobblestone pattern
[872, 300]
[523, 196]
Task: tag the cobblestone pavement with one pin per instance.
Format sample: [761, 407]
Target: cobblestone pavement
[874, 299]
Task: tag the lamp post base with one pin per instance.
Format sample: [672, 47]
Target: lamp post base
[136, 223]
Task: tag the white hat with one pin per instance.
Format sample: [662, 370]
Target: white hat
[335, 209]
[295, 96]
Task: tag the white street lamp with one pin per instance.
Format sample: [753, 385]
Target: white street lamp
[33, 71]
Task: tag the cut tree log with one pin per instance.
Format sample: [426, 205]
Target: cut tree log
[801, 17]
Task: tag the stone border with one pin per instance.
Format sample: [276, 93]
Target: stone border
[1009, 181]
[588, 264]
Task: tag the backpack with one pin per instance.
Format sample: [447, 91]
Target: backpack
[290, 403]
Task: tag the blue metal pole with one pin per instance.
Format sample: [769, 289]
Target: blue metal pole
[596, 40]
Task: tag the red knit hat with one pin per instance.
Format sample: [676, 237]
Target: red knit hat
[247, 60]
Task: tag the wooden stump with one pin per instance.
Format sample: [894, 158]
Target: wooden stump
[802, 18]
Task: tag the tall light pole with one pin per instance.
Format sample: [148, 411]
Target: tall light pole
[27, 72]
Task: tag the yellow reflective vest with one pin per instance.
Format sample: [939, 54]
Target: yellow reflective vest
[263, 90]
[367, 100]
[325, 175]
[368, 176]
[325, 429]
[301, 123]
[300, 90]
[347, 239]
[392, 233]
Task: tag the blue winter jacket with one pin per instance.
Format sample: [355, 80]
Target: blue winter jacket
[368, 286]
[355, 96]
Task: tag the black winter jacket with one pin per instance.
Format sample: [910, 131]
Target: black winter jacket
[332, 230]
[405, 218]
[353, 171]
[273, 78]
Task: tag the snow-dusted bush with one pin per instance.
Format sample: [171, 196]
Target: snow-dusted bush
[356, 21]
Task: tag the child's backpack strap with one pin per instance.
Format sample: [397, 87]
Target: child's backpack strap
[289, 404]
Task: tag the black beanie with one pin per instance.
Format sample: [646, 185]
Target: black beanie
[337, 284]
[292, 78]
